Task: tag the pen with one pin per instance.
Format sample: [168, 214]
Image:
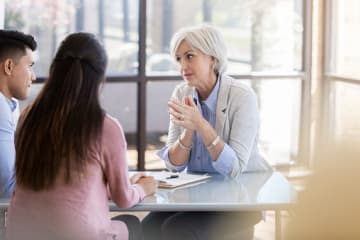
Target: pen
[172, 176]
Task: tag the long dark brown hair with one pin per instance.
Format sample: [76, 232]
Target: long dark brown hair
[60, 126]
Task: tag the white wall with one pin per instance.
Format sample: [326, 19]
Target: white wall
[2, 13]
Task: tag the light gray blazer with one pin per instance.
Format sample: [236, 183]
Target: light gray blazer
[237, 123]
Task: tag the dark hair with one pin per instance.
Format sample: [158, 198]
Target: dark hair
[65, 120]
[13, 44]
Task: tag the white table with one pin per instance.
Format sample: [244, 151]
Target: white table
[250, 192]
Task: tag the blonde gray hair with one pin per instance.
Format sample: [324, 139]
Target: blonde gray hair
[206, 39]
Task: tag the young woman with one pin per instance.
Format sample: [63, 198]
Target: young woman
[71, 155]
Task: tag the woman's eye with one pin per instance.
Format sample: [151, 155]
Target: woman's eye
[177, 59]
[190, 56]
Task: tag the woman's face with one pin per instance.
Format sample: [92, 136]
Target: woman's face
[196, 68]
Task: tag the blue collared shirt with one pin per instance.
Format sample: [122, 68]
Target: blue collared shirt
[200, 159]
[7, 145]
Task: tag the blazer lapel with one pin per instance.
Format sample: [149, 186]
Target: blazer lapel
[221, 106]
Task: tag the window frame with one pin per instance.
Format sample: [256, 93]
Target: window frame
[141, 79]
[329, 77]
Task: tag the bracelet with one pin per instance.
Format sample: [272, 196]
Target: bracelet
[213, 143]
[182, 146]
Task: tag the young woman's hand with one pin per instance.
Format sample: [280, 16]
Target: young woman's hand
[135, 178]
[148, 183]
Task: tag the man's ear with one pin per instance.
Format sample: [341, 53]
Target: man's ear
[8, 66]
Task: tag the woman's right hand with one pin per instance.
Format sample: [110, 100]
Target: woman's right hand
[148, 183]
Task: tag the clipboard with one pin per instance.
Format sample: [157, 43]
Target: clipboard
[172, 180]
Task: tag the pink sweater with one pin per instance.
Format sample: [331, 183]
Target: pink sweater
[79, 210]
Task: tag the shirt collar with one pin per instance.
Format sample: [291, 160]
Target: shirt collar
[11, 102]
[210, 102]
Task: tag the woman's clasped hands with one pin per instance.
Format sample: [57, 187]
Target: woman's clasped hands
[185, 114]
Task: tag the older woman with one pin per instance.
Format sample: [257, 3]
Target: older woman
[213, 128]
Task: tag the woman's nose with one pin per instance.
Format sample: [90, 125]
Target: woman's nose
[183, 65]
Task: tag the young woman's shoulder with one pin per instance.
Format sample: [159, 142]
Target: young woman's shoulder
[112, 128]
[111, 122]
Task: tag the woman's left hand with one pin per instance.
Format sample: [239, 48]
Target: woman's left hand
[185, 114]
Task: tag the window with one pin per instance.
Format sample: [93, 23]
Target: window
[342, 68]
[2, 13]
[344, 38]
[345, 117]
[114, 22]
[265, 46]
[261, 36]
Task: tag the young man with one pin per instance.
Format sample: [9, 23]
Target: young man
[16, 76]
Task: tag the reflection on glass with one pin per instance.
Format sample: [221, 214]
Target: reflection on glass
[346, 118]
[114, 22]
[248, 188]
[261, 35]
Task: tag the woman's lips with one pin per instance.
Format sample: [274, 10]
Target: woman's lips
[186, 75]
